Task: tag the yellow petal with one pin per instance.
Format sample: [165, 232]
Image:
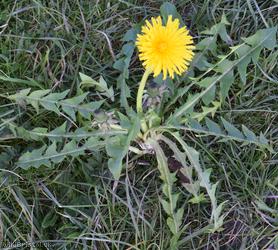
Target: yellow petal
[166, 49]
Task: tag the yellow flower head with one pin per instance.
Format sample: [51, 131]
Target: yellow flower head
[166, 49]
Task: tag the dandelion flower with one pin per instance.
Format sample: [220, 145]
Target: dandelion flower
[165, 48]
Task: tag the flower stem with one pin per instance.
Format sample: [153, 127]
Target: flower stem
[140, 92]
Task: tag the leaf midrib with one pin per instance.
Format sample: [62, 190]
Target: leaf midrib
[61, 154]
[60, 103]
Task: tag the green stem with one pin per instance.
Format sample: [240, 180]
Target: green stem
[140, 92]
[141, 88]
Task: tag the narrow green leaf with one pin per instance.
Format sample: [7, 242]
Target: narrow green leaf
[36, 95]
[263, 140]
[231, 129]
[128, 49]
[208, 43]
[167, 9]
[50, 102]
[36, 131]
[227, 81]
[47, 157]
[204, 176]
[68, 105]
[220, 29]
[207, 83]
[29, 159]
[166, 206]
[213, 127]
[119, 148]
[72, 149]
[187, 169]
[50, 219]
[100, 85]
[189, 105]
[130, 35]
[175, 198]
[249, 134]
[260, 36]
[87, 109]
[242, 65]
[171, 224]
[55, 135]
[179, 216]
[52, 151]
[22, 93]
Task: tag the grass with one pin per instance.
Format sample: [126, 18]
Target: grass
[77, 205]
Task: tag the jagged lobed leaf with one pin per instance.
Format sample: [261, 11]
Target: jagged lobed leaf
[60, 133]
[204, 177]
[48, 156]
[122, 64]
[118, 149]
[225, 71]
[100, 85]
[57, 102]
[228, 132]
[169, 204]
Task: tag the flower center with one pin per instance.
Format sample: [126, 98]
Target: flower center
[162, 46]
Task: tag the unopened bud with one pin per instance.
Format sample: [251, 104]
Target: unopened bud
[153, 89]
[100, 116]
